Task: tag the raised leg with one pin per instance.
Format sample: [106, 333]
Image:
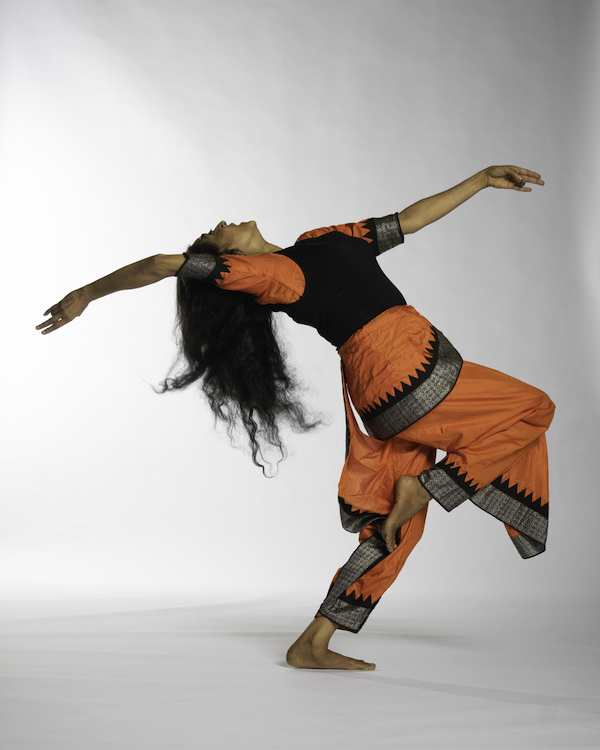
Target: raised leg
[311, 650]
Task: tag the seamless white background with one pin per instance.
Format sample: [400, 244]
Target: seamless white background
[128, 128]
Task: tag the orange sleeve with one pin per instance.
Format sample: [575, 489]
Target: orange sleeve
[380, 234]
[269, 278]
[360, 229]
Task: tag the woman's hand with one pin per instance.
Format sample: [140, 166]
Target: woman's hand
[513, 178]
[64, 312]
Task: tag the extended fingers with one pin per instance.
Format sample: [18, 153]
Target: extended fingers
[513, 177]
[52, 324]
[47, 324]
[531, 176]
[522, 176]
[57, 319]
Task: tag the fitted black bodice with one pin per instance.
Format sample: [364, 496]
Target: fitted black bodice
[345, 286]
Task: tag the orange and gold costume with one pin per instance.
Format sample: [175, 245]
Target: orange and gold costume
[414, 395]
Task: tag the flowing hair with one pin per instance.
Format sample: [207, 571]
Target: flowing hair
[228, 343]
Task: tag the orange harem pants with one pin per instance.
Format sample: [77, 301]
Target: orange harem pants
[415, 395]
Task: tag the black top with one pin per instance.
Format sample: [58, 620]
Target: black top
[345, 286]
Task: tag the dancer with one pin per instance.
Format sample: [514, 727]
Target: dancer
[412, 390]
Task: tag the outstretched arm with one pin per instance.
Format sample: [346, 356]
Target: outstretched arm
[431, 209]
[144, 272]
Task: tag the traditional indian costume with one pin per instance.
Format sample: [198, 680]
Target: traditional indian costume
[414, 395]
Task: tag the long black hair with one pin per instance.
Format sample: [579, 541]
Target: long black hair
[229, 344]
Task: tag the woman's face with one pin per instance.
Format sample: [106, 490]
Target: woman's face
[230, 237]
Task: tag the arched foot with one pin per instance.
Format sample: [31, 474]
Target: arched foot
[411, 496]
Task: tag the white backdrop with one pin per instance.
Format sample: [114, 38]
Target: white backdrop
[128, 128]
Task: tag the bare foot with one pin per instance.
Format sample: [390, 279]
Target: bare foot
[310, 650]
[305, 656]
[411, 496]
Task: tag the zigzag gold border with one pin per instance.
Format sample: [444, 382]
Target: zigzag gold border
[522, 512]
[409, 406]
[352, 615]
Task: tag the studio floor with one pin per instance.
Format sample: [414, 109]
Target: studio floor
[150, 674]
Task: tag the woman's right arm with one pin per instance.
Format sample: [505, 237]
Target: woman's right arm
[144, 272]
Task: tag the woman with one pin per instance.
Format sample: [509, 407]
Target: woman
[407, 382]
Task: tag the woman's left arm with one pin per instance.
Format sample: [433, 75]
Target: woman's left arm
[431, 209]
